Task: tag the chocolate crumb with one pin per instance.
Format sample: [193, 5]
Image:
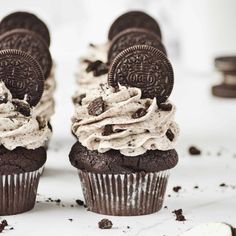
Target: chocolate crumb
[58, 201]
[177, 188]
[42, 122]
[96, 107]
[107, 130]
[22, 107]
[179, 215]
[165, 207]
[194, 151]
[11, 228]
[4, 98]
[79, 202]
[139, 113]
[97, 67]
[168, 195]
[128, 227]
[223, 185]
[4, 223]
[92, 45]
[196, 187]
[78, 99]
[170, 135]
[72, 205]
[165, 106]
[70, 220]
[105, 224]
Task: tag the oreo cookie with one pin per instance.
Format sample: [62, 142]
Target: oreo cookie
[227, 66]
[144, 67]
[31, 43]
[22, 75]
[131, 37]
[25, 20]
[134, 19]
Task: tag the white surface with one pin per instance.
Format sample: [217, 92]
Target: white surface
[205, 121]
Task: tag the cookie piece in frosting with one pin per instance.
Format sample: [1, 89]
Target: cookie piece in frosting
[113, 162]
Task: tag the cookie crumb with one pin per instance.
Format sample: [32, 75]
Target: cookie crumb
[223, 185]
[79, 202]
[194, 151]
[70, 220]
[105, 224]
[196, 187]
[179, 215]
[177, 188]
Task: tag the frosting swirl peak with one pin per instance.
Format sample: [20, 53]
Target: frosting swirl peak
[19, 127]
[129, 124]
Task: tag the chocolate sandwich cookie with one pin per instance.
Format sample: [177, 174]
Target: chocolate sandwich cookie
[21, 160]
[25, 20]
[22, 75]
[131, 37]
[134, 19]
[31, 43]
[113, 162]
[144, 67]
[227, 66]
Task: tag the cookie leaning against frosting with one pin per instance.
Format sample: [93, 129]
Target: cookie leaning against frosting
[126, 135]
[94, 65]
[22, 134]
[26, 32]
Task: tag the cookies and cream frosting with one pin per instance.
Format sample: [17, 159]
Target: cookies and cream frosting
[86, 80]
[46, 105]
[16, 129]
[131, 136]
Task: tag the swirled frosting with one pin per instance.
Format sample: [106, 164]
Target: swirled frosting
[130, 136]
[18, 130]
[88, 81]
[46, 105]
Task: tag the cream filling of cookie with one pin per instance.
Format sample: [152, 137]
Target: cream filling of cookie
[131, 136]
[88, 81]
[46, 105]
[230, 79]
[17, 130]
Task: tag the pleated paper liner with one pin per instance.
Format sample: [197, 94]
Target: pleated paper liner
[124, 194]
[18, 192]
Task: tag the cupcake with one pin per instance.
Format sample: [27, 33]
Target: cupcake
[126, 135]
[123, 33]
[23, 135]
[26, 32]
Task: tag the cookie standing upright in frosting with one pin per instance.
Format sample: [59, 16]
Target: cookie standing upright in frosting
[26, 32]
[125, 33]
[125, 127]
[23, 134]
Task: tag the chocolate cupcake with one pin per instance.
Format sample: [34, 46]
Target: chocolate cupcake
[94, 65]
[22, 134]
[126, 135]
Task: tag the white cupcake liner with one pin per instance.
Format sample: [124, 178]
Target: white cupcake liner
[124, 194]
[18, 192]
